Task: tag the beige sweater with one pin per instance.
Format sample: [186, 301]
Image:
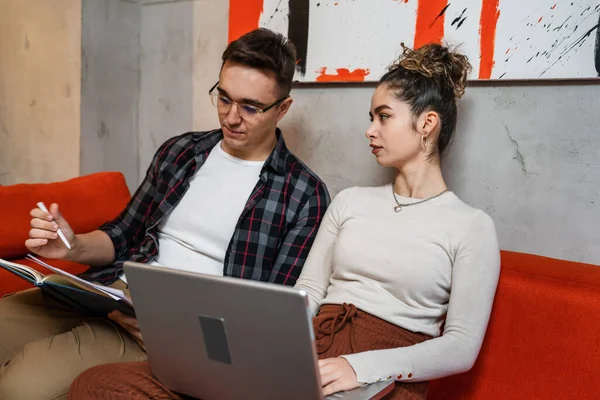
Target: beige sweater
[432, 260]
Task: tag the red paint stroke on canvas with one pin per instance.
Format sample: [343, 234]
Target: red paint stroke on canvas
[342, 75]
[244, 16]
[553, 7]
[430, 25]
[540, 20]
[487, 31]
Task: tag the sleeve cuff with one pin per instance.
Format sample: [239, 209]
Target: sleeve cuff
[376, 366]
[115, 234]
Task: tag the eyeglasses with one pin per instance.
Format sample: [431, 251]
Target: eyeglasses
[224, 104]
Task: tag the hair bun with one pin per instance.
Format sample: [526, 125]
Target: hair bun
[448, 67]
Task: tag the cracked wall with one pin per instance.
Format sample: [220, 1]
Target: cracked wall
[527, 154]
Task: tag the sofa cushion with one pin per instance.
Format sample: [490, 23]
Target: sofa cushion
[86, 202]
[541, 341]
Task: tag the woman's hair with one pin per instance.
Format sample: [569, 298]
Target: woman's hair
[430, 78]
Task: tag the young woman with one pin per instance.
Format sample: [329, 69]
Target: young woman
[390, 265]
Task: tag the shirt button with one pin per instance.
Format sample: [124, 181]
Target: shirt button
[409, 375]
[399, 376]
[389, 377]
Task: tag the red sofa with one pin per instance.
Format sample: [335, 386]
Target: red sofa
[542, 339]
[86, 202]
[541, 343]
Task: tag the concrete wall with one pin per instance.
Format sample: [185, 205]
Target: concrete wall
[182, 42]
[523, 153]
[39, 90]
[110, 87]
[166, 92]
[526, 154]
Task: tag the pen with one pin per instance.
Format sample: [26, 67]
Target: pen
[61, 235]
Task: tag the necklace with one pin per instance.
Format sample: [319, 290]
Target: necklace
[399, 205]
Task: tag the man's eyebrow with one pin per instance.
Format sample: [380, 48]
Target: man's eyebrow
[253, 102]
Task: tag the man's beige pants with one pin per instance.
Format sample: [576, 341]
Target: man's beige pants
[45, 345]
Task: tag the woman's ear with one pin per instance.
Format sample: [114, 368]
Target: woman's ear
[428, 122]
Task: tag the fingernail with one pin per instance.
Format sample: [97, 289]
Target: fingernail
[54, 236]
[44, 241]
[49, 217]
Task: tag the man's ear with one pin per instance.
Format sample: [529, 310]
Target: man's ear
[283, 108]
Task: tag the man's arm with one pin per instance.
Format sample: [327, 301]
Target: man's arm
[93, 248]
[112, 240]
[130, 225]
[299, 239]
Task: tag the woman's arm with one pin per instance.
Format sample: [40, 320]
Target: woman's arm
[474, 279]
[318, 267]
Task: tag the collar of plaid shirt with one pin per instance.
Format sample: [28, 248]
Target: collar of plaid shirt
[273, 234]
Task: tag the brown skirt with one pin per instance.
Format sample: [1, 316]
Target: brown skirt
[344, 329]
[339, 330]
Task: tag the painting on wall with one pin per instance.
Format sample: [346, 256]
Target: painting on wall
[355, 40]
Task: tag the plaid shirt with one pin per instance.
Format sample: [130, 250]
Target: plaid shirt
[273, 235]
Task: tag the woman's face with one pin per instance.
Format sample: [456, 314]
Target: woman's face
[392, 131]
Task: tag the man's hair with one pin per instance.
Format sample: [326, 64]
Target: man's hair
[265, 50]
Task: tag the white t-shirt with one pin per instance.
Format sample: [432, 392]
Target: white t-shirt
[432, 260]
[196, 234]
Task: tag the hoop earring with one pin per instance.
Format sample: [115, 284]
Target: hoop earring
[424, 143]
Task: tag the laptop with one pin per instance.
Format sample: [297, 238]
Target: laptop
[221, 338]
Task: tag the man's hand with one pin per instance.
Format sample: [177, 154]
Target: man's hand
[43, 238]
[337, 375]
[130, 324]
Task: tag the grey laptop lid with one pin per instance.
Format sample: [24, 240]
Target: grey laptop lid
[228, 338]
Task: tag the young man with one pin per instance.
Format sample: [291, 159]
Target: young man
[232, 201]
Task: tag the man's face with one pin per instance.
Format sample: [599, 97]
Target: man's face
[242, 89]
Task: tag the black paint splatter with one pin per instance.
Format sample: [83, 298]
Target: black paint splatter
[439, 15]
[274, 12]
[298, 30]
[457, 19]
[581, 39]
[500, 77]
[561, 25]
[583, 12]
[578, 42]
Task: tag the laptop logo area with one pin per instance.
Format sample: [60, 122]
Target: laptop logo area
[215, 339]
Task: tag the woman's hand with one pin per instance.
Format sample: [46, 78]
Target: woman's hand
[130, 324]
[337, 375]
